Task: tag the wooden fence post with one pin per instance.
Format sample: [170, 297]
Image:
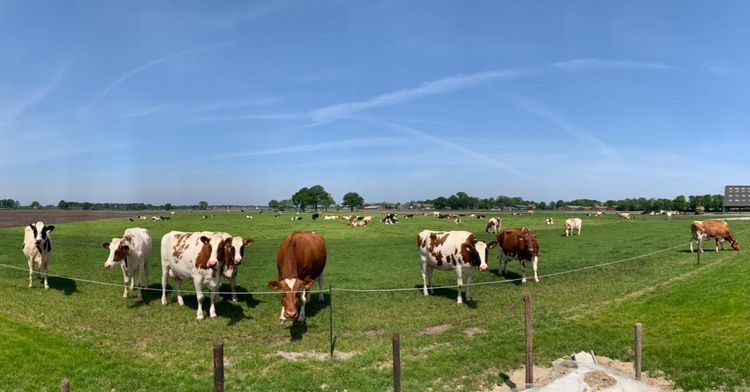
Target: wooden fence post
[65, 385]
[219, 367]
[396, 339]
[330, 312]
[638, 350]
[529, 334]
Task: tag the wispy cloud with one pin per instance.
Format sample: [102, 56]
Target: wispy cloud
[337, 145]
[258, 116]
[144, 67]
[587, 64]
[440, 86]
[149, 111]
[14, 110]
[228, 105]
[538, 109]
[254, 11]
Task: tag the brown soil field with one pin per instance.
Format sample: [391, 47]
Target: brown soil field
[12, 218]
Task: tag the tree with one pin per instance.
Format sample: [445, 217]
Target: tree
[168, 206]
[35, 204]
[316, 195]
[63, 205]
[327, 201]
[274, 204]
[353, 200]
[301, 199]
[86, 206]
[679, 203]
[202, 205]
[285, 204]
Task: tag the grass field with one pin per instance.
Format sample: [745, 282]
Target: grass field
[696, 317]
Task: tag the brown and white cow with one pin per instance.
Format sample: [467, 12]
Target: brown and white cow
[362, 223]
[300, 261]
[572, 224]
[493, 225]
[518, 244]
[197, 256]
[233, 251]
[459, 251]
[37, 246]
[132, 252]
[716, 229]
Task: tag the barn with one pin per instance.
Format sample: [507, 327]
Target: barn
[736, 198]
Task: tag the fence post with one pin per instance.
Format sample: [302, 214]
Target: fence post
[396, 339]
[700, 250]
[330, 318]
[529, 334]
[219, 367]
[65, 385]
[638, 350]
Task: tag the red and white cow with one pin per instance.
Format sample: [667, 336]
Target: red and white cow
[132, 251]
[233, 250]
[300, 262]
[518, 244]
[362, 223]
[572, 224]
[493, 225]
[716, 229]
[195, 256]
[459, 251]
[37, 246]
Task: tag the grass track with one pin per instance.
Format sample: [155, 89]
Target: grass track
[694, 324]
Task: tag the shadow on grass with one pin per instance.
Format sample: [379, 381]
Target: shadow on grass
[67, 286]
[242, 295]
[297, 330]
[505, 379]
[225, 308]
[451, 294]
[510, 275]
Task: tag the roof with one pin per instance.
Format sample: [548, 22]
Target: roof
[737, 196]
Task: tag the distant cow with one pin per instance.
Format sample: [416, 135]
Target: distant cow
[715, 229]
[315, 216]
[409, 216]
[390, 219]
[479, 216]
[549, 221]
[330, 217]
[37, 246]
[248, 217]
[452, 250]
[131, 220]
[358, 223]
[493, 225]
[300, 261]
[458, 220]
[519, 244]
[600, 214]
[623, 215]
[295, 218]
[572, 224]
[193, 256]
[132, 252]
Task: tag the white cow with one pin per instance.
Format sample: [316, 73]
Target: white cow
[133, 251]
[623, 215]
[192, 256]
[37, 246]
[452, 250]
[573, 224]
[493, 225]
[551, 221]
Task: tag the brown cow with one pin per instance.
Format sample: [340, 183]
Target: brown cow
[518, 244]
[716, 229]
[300, 261]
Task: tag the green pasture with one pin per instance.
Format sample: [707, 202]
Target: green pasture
[696, 317]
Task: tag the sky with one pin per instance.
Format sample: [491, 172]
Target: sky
[240, 102]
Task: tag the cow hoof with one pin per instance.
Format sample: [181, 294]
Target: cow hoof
[234, 300]
[200, 318]
[163, 301]
[213, 316]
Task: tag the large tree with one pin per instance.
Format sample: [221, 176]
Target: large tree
[353, 200]
[202, 205]
[302, 198]
[63, 205]
[35, 204]
[679, 203]
[168, 206]
[274, 204]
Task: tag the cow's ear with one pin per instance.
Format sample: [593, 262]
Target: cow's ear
[308, 284]
[249, 242]
[50, 227]
[492, 245]
[105, 245]
[205, 239]
[125, 248]
[274, 285]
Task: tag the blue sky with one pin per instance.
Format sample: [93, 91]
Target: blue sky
[242, 102]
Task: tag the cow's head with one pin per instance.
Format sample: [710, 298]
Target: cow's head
[476, 252]
[208, 256]
[41, 237]
[231, 252]
[118, 251]
[733, 241]
[529, 244]
[292, 293]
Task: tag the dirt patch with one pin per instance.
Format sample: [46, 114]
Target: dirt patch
[474, 331]
[598, 380]
[15, 218]
[296, 356]
[629, 369]
[437, 329]
[373, 332]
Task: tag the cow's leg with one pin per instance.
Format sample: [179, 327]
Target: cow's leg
[534, 262]
[31, 271]
[719, 243]
[281, 316]
[140, 284]
[212, 309]
[469, 275]
[177, 284]
[164, 276]
[504, 259]
[460, 284]
[691, 245]
[199, 297]
[303, 301]
[45, 267]
[233, 284]
[425, 272]
[523, 270]
[321, 297]
[127, 280]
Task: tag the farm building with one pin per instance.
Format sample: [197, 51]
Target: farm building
[736, 197]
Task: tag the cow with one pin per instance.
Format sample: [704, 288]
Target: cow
[408, 216]
[358, 223]
[452, 250]
[572, 224]
[131, 220]
[716, 229]
[315, 216]
[37, 246]
[623, 215]
[142, 217]
[300, 261]
[493, 225]
[248, 217]
[132, 252]
[197, 256]
[518, 244]
[551, 221]
[295, 218]
[367, 218]
[172, 213]
[330, 217]
[600, 214]
[458, 220]
[481, 216]
[390, 219]
[233, 252]
[204, 217]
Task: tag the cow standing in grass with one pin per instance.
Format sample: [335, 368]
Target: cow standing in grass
[233, 250]
[132, 252]
[716, 229]
[493, 225]
[572, 224]
[459, 251]
[518, 244]
[37, 247]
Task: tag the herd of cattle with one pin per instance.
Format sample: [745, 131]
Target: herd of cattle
[207, 258]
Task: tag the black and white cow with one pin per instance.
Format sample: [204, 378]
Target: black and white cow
[37, 246]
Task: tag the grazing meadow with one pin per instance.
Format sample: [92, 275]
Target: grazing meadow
[696, 317]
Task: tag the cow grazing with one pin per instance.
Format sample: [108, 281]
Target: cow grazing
[300, 261]
[358, 223]
[233, 250]
[295, 218]
[315, 216]
[600, 214]
[132, 252]
[519, 244]
[37, 246]
[452, 250]
[715, 229]
[572, 224]
[549, 221]
[493, 225]
[197, 256]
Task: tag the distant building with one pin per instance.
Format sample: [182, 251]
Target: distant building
[736, 197]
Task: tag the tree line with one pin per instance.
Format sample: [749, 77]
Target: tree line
[316, 197]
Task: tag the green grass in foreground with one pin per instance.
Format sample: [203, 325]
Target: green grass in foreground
[694, 326]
